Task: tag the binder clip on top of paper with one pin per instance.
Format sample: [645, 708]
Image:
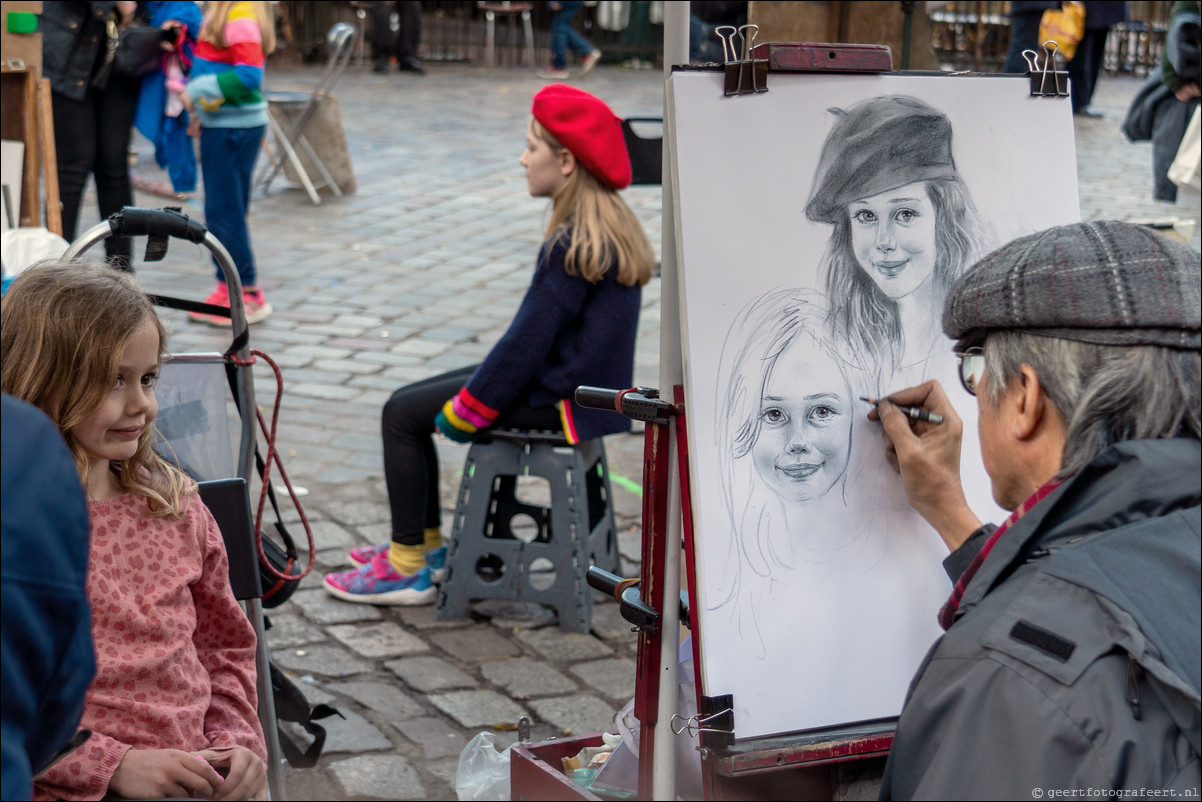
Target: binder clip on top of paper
[745, 74]
[1046, 80]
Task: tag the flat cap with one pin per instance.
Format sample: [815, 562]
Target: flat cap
[1105, 282]
[876, 145]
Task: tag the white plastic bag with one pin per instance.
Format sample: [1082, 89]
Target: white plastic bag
[1186, 169]
[483, 772]
[22, 247]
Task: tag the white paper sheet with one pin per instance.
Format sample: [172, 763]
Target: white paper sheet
[818, 585]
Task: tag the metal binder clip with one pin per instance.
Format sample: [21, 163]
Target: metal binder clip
[1039, 75]
[697, 724]
[726, 35]
[741, 68]
[1032, 59]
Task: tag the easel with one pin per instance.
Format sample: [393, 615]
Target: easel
[794, 765]
[27, 117]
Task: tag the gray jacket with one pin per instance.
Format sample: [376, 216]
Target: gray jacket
[1075, 660]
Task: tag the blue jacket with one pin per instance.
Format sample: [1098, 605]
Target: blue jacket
[46, 631]
[172, 146]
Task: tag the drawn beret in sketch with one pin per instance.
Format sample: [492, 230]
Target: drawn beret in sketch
[1105, 282]
[876, 145]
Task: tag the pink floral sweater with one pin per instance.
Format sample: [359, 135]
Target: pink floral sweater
[175, 654]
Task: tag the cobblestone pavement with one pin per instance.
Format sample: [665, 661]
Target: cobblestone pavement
[416, 273]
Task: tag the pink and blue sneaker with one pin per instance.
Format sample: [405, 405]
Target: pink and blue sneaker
[436, 560]
[378, 583]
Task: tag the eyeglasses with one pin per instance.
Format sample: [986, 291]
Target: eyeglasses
[972, 368]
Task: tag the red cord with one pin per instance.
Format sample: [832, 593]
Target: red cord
[273, 456]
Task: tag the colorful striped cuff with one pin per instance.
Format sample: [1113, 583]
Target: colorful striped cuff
[453, 418]
[569, 423]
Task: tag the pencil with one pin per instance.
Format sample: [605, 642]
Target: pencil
[917, 413]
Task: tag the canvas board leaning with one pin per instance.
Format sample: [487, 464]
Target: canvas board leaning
[818, 227]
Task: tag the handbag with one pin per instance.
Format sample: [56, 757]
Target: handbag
[129, 52]
[1065, 26]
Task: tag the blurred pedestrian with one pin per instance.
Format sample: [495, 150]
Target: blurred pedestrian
[93, 109]
[1024, 31]
[401, 42]
[230, 116]
[564, 37]
[1162, 108]
[1086, 65]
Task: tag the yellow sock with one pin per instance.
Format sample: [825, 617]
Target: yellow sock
[407, 560]
[433, 538]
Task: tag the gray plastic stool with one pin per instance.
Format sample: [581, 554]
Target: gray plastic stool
[545, 562]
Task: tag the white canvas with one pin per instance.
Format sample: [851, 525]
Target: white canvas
[818, 585]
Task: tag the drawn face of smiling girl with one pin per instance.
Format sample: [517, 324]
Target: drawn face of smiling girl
[893, 237]
[804, 423]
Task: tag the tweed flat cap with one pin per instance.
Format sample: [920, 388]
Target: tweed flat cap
[877, 145]
[1106, 282]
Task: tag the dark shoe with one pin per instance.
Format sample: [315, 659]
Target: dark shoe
[411, 65]
[380, 66]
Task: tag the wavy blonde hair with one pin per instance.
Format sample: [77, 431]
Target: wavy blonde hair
[64, 327]
[600, 227]
[212, 29]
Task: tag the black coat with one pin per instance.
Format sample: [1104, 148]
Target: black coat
[73, 38]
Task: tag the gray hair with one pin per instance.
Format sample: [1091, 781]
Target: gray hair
[1106, 393]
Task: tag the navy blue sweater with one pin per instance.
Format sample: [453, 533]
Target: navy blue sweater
[566, 333]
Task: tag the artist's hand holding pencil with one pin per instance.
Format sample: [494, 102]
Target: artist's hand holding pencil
[927, 455]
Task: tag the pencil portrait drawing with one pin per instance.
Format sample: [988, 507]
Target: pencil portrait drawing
[904, 228]
[784, 436]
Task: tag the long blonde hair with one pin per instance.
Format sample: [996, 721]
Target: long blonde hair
[212, 29]
[601, 228]
[63, 329]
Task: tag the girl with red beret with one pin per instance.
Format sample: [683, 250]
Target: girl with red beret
[576, 325]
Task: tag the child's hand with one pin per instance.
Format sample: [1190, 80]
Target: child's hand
[151, 773]
[245, 773]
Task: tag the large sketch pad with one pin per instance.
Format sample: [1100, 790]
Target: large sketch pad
[811, 638]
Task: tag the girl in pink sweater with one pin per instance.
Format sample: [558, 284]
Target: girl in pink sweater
[172, 709]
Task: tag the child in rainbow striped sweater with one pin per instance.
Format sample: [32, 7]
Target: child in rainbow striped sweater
[229, 114]
[576, 325]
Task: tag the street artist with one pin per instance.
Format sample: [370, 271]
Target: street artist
[1071, 661]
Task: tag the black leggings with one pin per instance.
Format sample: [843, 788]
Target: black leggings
[92, 137]
[410, 459]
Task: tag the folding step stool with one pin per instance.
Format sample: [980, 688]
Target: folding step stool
[488, 560]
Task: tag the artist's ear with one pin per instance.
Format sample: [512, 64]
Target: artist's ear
[1030, 404]
[567, 162]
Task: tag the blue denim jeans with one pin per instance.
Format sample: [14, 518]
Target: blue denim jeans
[227, 162]
[564, 37]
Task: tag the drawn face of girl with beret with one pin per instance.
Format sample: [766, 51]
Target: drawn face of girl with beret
[893, 238]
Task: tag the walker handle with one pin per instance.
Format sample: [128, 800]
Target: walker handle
[133, 221]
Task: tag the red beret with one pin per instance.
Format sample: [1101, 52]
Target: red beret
[584, 125]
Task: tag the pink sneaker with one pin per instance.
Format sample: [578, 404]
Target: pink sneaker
[253, 302]
[256, 304]
[218, 297]
[590, 61]
[436, 560]
[362, 555]
[378, 583]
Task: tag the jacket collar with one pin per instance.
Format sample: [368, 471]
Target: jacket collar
[1129, 481]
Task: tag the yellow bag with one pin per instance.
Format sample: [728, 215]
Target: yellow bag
[1064, 26]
